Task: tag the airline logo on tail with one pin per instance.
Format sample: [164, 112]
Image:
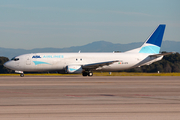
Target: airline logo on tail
[153, 43]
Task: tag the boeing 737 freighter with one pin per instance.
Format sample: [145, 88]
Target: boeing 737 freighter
[86, 63]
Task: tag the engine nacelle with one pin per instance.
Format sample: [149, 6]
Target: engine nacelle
[74, 69]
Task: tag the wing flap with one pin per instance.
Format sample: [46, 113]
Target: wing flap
[96, 65]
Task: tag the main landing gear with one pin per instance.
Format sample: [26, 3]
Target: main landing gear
[87, 73]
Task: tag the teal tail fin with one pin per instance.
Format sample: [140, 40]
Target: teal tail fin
[153, 43]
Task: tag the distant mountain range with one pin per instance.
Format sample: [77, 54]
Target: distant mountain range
[99, 46]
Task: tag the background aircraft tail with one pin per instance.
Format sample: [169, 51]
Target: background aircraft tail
[153, 44]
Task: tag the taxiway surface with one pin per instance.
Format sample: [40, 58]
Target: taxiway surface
[89, 98]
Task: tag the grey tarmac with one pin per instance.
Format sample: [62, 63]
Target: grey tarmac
[90, 98]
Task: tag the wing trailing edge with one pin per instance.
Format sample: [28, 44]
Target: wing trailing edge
[97, 65]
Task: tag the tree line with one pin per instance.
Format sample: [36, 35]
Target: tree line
[169, 63]
[2, 68]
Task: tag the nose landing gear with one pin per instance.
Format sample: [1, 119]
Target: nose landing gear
[22, 75]
[20, 72]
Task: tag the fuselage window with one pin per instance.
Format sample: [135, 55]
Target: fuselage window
[15, 59]
[12, 58]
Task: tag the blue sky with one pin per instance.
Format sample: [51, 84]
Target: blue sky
[31, 24]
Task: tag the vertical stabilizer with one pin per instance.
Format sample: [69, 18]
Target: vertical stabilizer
[153, 43]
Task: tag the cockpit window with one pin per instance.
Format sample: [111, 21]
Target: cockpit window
[15, 59]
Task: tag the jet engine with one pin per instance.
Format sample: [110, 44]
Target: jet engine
[74, 69]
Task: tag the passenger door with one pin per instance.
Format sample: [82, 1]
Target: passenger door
[28, 61]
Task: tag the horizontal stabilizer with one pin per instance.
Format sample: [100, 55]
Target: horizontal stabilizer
[162, 54]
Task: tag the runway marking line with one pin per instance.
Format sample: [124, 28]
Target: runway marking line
[15, 92]
[110, 95]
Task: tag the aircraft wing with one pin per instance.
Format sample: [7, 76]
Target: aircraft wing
[96, 65]
[162, 54]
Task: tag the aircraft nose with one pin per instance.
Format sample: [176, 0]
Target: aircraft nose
[7, 64]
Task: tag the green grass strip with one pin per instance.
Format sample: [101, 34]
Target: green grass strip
[101, 74]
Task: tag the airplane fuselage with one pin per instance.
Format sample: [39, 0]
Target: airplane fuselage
[85, 63]
[59, 61]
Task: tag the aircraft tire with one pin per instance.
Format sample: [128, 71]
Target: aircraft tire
[84, 73]
[90, 73]
[21, 75]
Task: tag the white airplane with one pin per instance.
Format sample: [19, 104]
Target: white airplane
[86, 63]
